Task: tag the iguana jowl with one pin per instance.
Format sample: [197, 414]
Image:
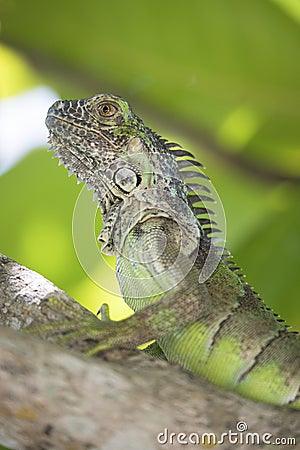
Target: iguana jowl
[154, 222]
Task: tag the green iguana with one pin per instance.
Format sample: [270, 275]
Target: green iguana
[187, 296]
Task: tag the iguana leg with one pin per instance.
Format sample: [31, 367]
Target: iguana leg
[80, 329]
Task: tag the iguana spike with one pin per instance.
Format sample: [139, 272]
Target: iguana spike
[181, 152]
[171, 144]
[192, 174]
[202, 187]
[205, 198]
[210, 230]
[201, 210]
[188, 163]
[225, 251]
[207, 221]
[202, 198]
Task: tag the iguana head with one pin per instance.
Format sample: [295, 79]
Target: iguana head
[130, 168]
[105, 144]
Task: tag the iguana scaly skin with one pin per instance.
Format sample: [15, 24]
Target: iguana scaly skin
[186, 295]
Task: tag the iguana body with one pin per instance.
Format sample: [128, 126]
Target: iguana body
[155, 224]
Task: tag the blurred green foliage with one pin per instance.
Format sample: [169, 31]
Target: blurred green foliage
[222, 78]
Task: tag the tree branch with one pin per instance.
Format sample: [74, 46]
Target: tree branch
[54, 398]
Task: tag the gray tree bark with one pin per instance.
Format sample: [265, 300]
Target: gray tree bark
[54, 398]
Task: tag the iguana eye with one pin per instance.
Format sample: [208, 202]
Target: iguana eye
[107, 109]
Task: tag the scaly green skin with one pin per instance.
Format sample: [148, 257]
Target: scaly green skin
[214, 326]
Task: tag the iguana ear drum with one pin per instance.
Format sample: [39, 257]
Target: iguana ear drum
[126, 179]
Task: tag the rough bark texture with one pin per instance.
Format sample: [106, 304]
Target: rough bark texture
[52, 398]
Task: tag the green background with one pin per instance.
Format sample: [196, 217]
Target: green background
[222, 77]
